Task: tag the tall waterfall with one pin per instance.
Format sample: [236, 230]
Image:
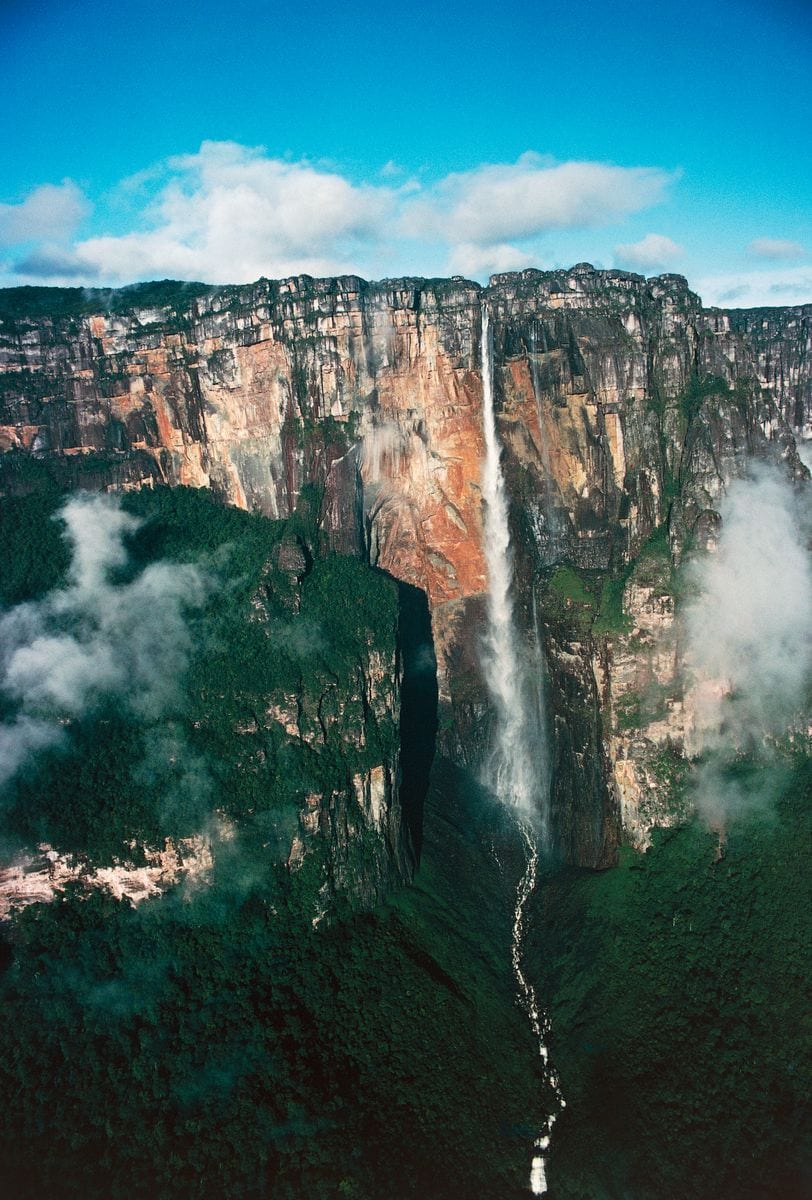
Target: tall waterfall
[517, 780]
[518, 764]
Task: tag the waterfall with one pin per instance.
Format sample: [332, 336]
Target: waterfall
[517, 780]
[517, 776]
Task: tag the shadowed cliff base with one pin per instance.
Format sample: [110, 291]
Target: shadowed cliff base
[257, 1054]
[418, 708]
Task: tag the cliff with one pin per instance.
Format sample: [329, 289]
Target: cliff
[624, 408]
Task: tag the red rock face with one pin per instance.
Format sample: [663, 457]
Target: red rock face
[366, 400]
[256, 399]
[373, 394]
[420, 467]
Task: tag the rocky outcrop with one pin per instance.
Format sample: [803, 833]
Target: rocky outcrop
[622, 404]
[365, 812]
[42, 877]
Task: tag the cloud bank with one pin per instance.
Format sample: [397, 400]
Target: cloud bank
[231, 213]
[97, 638]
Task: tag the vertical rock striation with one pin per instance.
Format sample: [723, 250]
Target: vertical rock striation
[623, 406]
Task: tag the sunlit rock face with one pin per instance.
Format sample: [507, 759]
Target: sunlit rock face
[625, 408]
[621, 394]
[621, 404]
[42, 877]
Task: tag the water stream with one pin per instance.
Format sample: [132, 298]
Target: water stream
[518, 766]
[539, 1020]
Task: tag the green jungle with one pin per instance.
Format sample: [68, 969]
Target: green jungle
[221, 1041]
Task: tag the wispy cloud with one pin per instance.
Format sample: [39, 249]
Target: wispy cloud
[96, 638]
[478, 262]
[501, 202]
[753, 289]
[51, 213]
[776, 248]
[652, 252]
[230, 213]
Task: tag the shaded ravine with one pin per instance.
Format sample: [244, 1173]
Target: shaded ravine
[515, 775]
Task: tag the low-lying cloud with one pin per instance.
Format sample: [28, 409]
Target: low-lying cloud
[98, 638]
[749, 631]
[180, 776]
[230, 213]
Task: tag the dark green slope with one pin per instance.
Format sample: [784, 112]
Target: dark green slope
[214, 1043]
[679, 987]
[216, 1048]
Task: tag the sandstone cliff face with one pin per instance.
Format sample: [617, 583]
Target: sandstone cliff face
[622, 404]
[617, 398]
[627, 408]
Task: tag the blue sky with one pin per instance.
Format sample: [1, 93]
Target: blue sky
[223, 141]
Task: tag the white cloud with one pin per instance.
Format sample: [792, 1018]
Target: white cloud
[776, 248]
[230, 213]
[21, 739]
[650, 253]
[750, 626]
[95, 637]
[497, 202]
[478, 262]
[96, 528]
[756, 289]
[51, 212]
